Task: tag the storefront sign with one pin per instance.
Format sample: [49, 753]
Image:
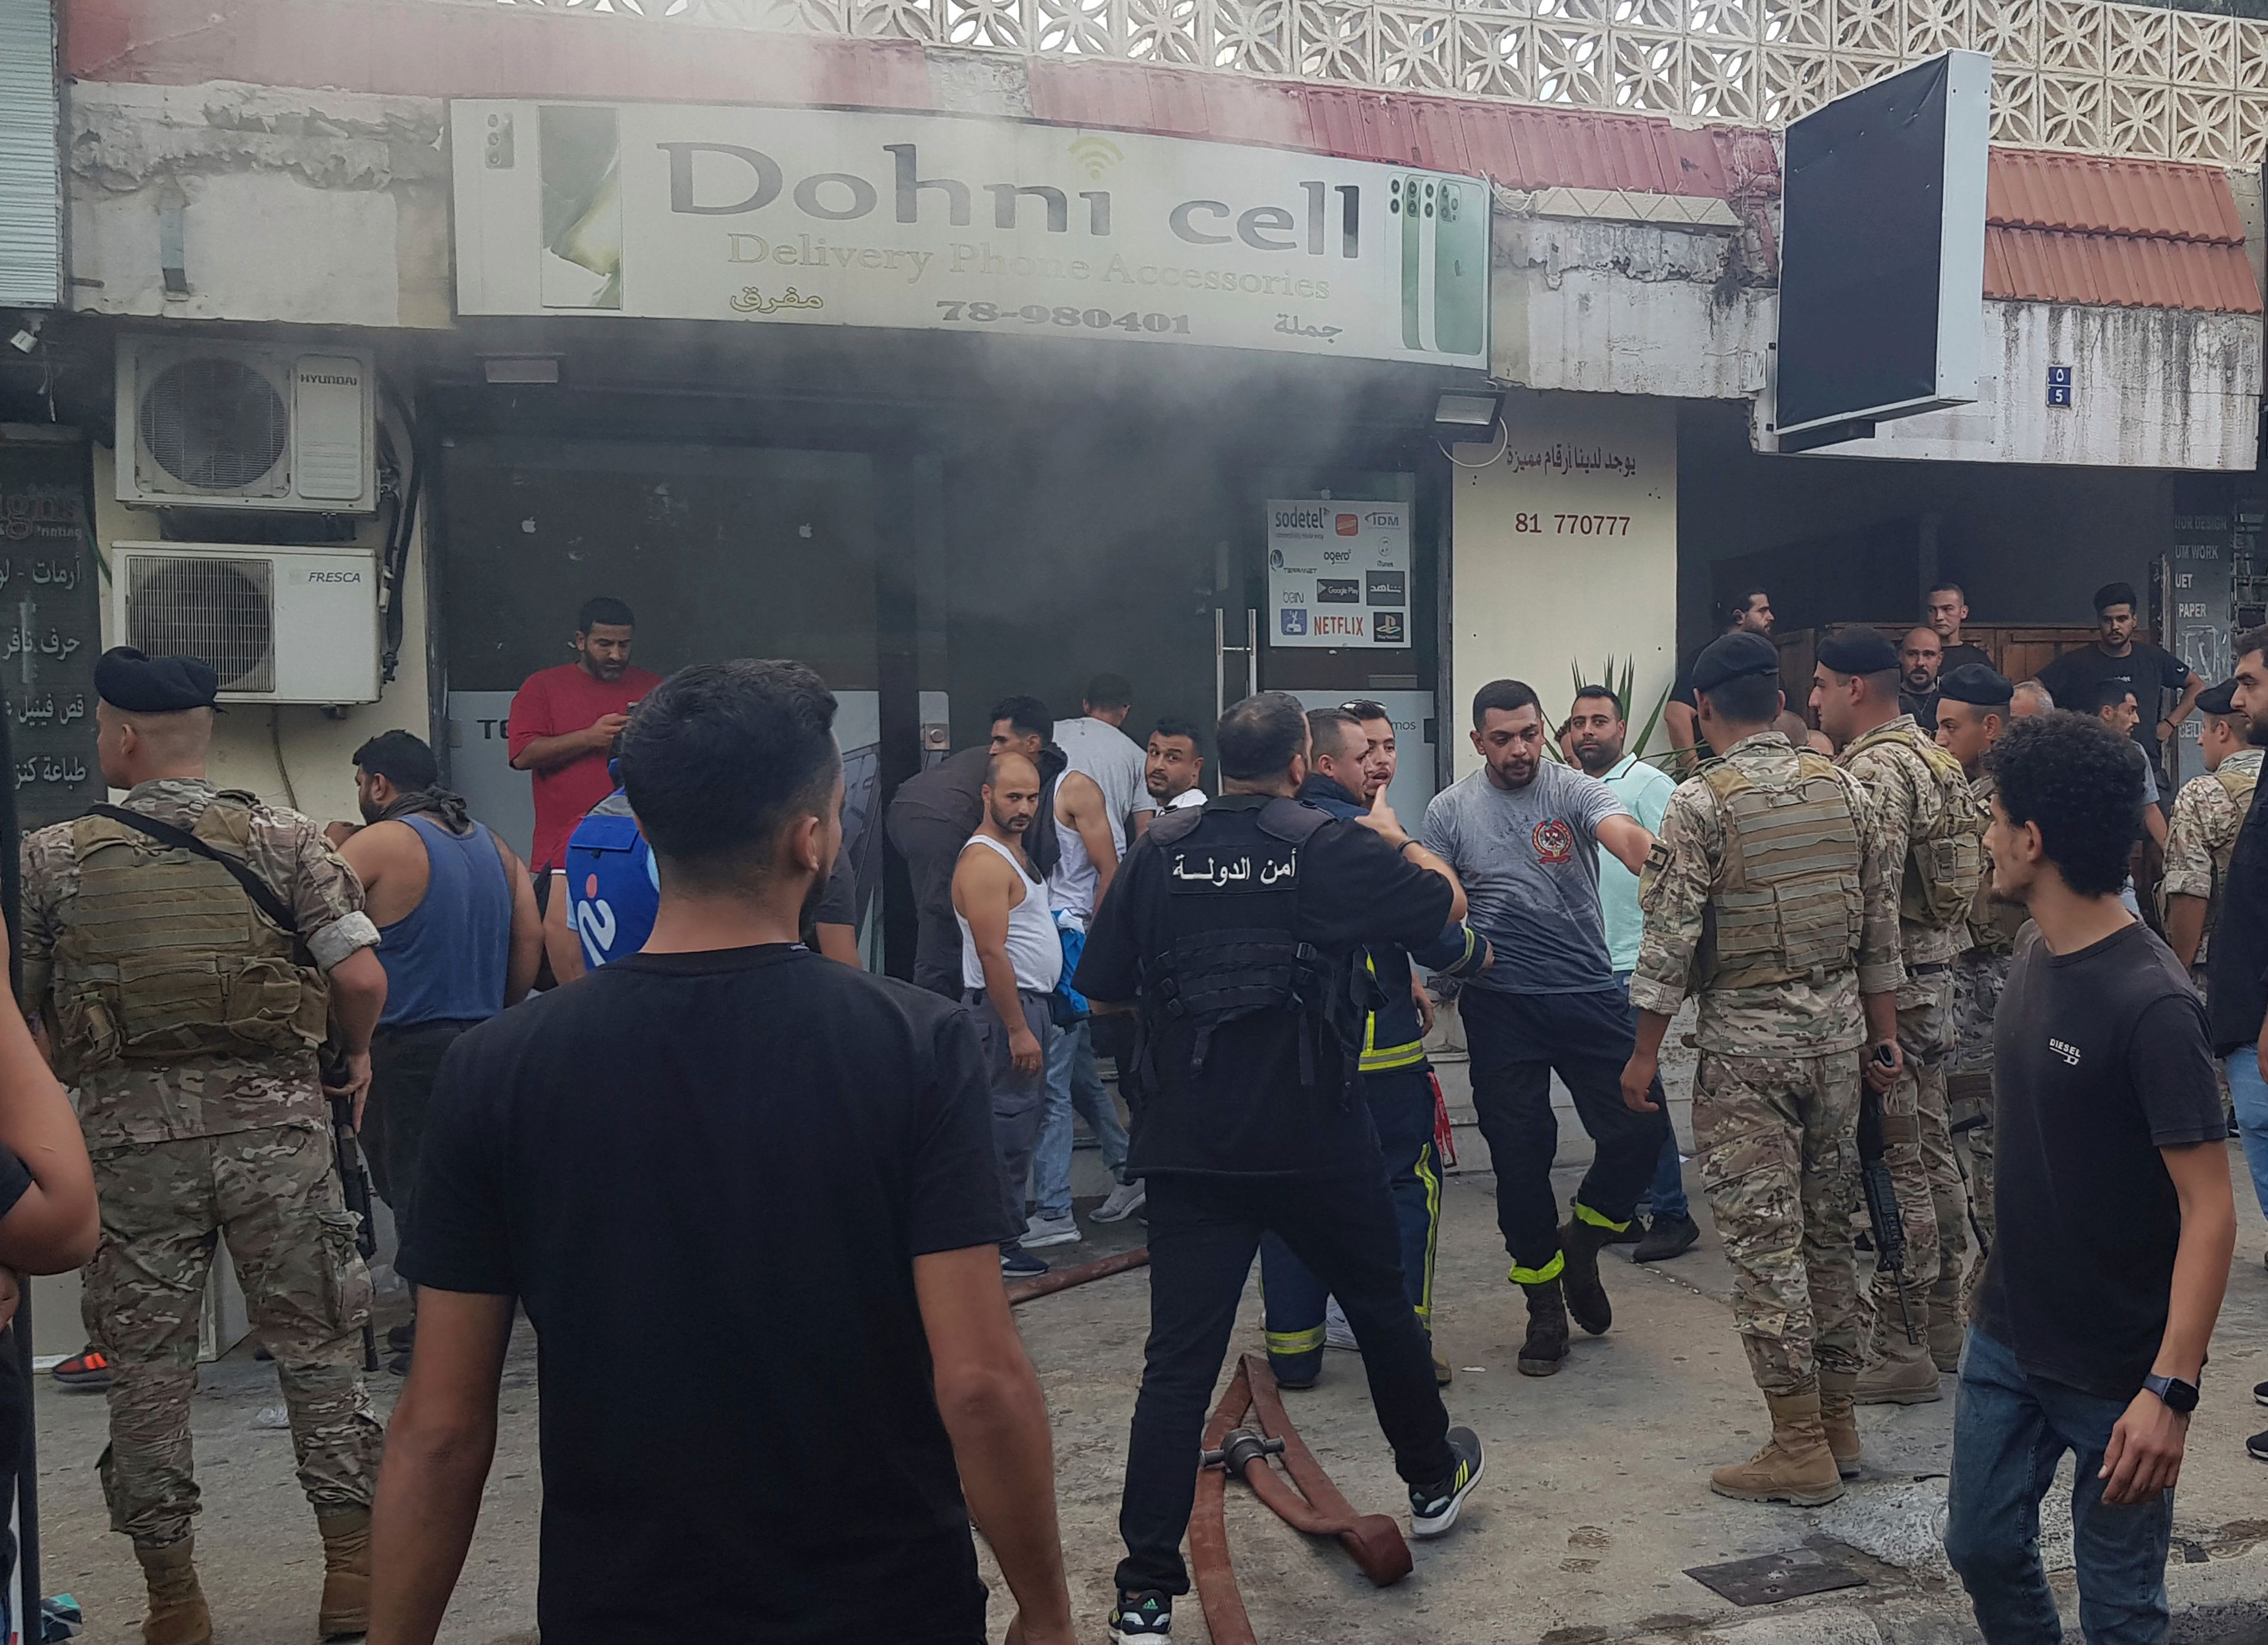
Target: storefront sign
[1338, 573]
[50, 623]
[827, 217]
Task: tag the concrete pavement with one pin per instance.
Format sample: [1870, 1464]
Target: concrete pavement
[1594, 1504]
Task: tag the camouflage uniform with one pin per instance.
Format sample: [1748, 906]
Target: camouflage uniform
[1979, 976]
[187, 1148]
[1909, 807]
[2200, 835]
[1776, 1095]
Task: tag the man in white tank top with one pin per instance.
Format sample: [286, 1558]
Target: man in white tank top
[1010, 963]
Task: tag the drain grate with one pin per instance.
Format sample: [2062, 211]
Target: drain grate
[1772, 1577]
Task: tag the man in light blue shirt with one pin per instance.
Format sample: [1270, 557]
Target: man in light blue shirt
[1597, 731]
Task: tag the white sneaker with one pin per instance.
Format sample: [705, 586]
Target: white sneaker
[1126, 1199]
[1336, 1333]
[1050, 1231]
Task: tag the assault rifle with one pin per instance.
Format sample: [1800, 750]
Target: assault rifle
[1882, 1202]
[354, 1179]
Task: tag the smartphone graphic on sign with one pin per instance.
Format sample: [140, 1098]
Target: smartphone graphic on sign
[1445, 249]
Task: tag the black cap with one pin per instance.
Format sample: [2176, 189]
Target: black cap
[2220, 699]
[1859, 651]
[1977, 683]
[1731, 658]
[130, 679]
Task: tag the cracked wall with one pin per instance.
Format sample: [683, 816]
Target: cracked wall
[321, 208]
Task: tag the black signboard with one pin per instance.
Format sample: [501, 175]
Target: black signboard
[50, 621]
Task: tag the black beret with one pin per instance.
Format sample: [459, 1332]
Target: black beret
[1732, 656]
[1978, 683]
[1859, 651]
[2220, 699]
[126, 679]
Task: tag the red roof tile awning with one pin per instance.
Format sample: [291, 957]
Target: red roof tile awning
[2067, 228]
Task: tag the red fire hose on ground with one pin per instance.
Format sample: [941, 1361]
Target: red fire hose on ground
[1247, 1428]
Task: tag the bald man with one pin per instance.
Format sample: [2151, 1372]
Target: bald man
[1011, 960]
[1921, 659]
[204, 1108]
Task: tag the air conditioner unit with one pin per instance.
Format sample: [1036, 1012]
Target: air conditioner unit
[278, 625]
[233, 425]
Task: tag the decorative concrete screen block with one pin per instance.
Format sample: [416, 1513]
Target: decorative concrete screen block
[2078, 75]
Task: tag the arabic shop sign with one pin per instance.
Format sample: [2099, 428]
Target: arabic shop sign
[1338, 573]
[935, 221]
[50, 624]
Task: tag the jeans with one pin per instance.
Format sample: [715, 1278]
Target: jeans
[1666, 1196]
[2249, 1093]
[1401, 1104]
[1017, 1099]
[1203, 1234]
[1073, 1082]
[2009, 1432]
[1518, 1042]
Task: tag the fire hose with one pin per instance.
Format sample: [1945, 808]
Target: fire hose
[1064, 1278]
[1248, 1427]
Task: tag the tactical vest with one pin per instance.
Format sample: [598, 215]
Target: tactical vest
[163, 955]
[1937, 886]
[1229, 944]
[1786, 905]
[2238, 785]
[1993, 926]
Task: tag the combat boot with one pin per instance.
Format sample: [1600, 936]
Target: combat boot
[1904, 1375]
[1579, 1243]
[1946, 1321]
[1545, 1350]
[1796, 1466]
[177, 1604]
[1840, 1420]
[345, 1607]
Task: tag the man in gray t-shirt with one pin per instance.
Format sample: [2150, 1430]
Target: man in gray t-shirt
[1522, 835]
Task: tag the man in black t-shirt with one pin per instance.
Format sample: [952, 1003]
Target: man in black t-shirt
[1239, 929]
[1748, 612]
[725, 1138]
[2115, 1218]
[1945, 608]
[2117, 653]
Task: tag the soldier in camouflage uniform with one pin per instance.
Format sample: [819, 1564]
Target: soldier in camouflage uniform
[189, 1019]
[1768, 895]
[2208, 812]
[1931, 825]
[1973, 709]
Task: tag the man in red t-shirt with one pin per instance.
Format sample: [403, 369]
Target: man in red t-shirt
[564, 720]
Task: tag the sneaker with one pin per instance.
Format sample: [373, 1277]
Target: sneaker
[1050, 1230]
[1126, 1199]
[1434, 1508]
[402, 1336]
[84, 1370]
[1668, 1236]
[1336, 1333]
[399, 1365]
[2256, 1448]
[1148, 1615]
[1020, 1265]
[2259, 1390]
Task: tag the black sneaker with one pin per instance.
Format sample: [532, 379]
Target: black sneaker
[1020, 1264]
[1669, 1236]
[1148, 1615]
[1434, 1508]
[2256, 1448]
[2259, 1390]
[402, 1336]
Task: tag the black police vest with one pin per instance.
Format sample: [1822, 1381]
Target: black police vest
[1229, 946]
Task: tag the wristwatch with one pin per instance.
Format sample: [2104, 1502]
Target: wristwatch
[2181, 1398]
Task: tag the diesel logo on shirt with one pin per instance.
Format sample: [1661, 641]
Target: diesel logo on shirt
[2069, 1053]
[1554, 841]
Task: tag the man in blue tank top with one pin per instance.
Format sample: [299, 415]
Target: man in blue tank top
[458, 936]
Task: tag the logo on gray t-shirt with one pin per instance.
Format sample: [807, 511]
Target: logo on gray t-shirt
[1530, 869]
